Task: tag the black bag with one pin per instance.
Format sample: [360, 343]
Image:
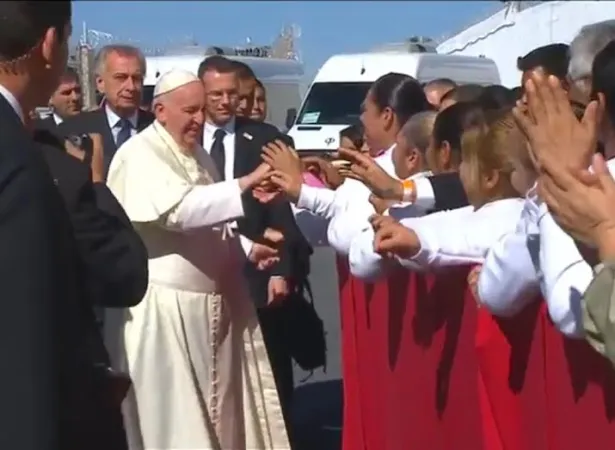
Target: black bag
[304, 329]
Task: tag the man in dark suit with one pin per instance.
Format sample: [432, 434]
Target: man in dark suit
[235, 145]
[65, 102]
[54, 382]
[119, 77]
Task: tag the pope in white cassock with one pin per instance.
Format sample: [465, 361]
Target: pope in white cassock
[192, 347]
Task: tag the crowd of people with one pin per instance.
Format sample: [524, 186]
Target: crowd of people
[155, 257]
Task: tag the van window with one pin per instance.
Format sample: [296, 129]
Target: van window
[333, 103]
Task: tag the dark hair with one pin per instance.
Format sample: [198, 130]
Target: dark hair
[464, 93]
[260, 84]
[517, 92]
[70, 74]
[603, 78]
[402, 93]
[23, 24]
[496, 97]
[354, 133]
[243, 71]
[451, 123]
[553, 59]
[216, 63]
[440, 82]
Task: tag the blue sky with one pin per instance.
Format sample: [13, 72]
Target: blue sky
[327, 27]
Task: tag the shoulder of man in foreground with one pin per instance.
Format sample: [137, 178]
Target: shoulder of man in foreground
[84, 122]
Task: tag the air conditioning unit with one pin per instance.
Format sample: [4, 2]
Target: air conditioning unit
[415, 44]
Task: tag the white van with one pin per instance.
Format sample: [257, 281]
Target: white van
[334, 99]
[283, 78]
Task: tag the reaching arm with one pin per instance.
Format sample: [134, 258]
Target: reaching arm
[208, 205]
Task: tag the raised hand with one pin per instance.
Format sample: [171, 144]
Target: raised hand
[581, 202]
[551, 126]
[364, 169]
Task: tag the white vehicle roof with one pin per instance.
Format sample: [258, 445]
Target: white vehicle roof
[367, 67]
[266, 69]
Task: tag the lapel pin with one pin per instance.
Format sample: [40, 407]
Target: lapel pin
[248, 136]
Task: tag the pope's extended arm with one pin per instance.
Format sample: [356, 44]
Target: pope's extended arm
[208, 205]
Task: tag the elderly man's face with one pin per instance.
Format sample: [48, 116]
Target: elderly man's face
[181, 112]
[121, 82]
[221, 96]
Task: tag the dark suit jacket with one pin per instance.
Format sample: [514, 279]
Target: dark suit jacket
[96, 122]
[250, 137]
[448, 191]
[48, 123]
[48, 336]
[113, 254]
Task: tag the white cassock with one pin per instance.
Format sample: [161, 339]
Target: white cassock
[537, 257]
[457, 237]
[192, 347]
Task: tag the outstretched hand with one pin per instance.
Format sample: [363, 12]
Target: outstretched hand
[553, 130]
[364, 169]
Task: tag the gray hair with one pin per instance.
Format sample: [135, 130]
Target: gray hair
[586, 45]
[417, 129]
[125, 50]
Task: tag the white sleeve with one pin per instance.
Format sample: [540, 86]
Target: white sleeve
[446, 240]
[206, 206]
[347, 224]
[508, 280]
[565, 277]
[320, 201]
[425, 195]
[364, 262]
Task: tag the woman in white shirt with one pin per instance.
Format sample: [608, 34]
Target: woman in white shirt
[464, 236]
[390, 102]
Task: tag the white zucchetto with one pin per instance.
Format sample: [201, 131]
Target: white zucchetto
[174, 79]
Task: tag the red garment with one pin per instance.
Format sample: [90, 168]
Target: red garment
[424, 368]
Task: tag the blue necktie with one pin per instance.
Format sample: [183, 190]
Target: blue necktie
[125, 132]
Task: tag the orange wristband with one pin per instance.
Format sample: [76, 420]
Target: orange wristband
[409, 190]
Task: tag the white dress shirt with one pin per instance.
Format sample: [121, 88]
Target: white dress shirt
[368, 265]
[462, 236]
[209, 130]
[10, 98]
[507, 283]
[58, 120]
[115, 123]
[509, 278]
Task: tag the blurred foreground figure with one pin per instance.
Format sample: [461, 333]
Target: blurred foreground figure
[57, 392]
[193, 346]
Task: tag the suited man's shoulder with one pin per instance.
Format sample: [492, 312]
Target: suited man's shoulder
[84, 122]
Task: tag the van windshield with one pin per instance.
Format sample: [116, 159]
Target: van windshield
[333, 103]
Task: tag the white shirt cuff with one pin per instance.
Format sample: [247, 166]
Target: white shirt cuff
[425, 196]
